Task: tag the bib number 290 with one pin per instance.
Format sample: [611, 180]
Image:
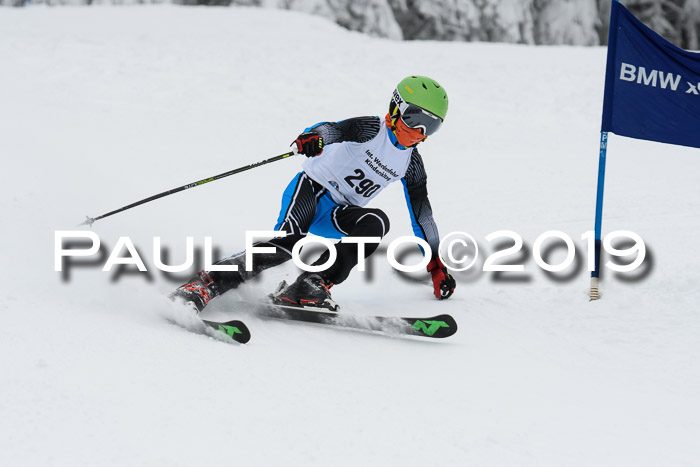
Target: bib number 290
[364, 186]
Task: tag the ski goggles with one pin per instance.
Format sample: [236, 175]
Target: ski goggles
[417, 117]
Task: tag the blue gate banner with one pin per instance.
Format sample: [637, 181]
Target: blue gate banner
[652, 87]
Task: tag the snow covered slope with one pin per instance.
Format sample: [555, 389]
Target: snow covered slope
[100, 107]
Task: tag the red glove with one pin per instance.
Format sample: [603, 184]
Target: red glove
[309, 144]
[443, 283]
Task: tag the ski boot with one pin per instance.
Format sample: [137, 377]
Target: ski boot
[308, 291]
[197, 292]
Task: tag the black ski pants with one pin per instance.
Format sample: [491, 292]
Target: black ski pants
[299, 211]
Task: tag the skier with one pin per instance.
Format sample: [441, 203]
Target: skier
[348, 163]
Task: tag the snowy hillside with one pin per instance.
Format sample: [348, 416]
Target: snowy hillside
[544, 22]
[100, 107]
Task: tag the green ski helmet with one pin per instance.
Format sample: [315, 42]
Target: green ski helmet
[414, 96]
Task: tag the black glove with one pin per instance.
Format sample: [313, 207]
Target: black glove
[309, 144]
[443, 283]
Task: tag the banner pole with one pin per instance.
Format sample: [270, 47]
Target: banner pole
[595, 274]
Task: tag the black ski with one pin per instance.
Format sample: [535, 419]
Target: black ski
[235, 329]
[434, 327]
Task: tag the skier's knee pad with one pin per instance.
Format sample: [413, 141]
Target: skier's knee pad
[374, 223]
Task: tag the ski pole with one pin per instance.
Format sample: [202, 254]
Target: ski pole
[90, 220]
